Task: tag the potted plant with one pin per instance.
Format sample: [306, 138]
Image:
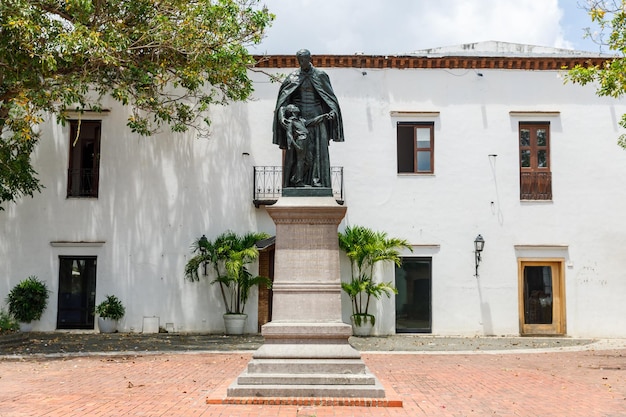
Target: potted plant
[27, 301]
[364, 248]
[228, 255]
[109, 312]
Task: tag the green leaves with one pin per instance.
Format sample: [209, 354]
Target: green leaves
[8, 324]
[17, 176]
[167, 60]
[364, 248]
[111, 308]
[28, 299]
[610, 79]
[228, 255]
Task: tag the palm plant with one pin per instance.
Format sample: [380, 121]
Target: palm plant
[228, 255]
[364, 248]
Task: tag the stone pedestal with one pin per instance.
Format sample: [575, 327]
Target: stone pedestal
[306, 351]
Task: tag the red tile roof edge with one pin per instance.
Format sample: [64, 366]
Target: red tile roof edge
[420, 62]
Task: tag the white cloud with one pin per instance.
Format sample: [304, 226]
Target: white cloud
[528, 21]
[398, 26]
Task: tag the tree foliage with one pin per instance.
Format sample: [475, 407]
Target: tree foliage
[167, 59]
[610, 77]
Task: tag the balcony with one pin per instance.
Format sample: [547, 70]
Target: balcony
[535, 186]
[268, 184]
[82, 183]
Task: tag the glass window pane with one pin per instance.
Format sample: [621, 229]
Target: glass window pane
[423, 161]
[525, 155]
[422, 135]
[542, 161]
[524, 137]
[541, 137]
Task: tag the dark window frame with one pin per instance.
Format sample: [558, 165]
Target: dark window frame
[408, 149]
[535, 176]
[83, 174]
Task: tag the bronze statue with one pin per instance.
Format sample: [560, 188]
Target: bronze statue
[306, 162]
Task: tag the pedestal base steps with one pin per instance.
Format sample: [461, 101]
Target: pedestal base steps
[306, 360]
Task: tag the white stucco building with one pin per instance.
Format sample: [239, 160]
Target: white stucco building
[441, 146]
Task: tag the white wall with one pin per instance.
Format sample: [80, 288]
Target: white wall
[472, 193]
[158, 194]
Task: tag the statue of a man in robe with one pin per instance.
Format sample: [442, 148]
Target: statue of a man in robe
[309, 89]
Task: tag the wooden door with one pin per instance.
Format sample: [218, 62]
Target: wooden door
[541, 297]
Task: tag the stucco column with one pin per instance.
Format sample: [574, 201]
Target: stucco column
[307, 282]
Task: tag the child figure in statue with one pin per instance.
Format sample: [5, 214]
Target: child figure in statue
[297, 131]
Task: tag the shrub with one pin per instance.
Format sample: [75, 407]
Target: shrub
[7, 323]
[28, 300]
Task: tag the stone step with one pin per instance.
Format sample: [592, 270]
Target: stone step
[307, 366]
[11, 340]
[281, 390]
[305, 379]
[307, 349]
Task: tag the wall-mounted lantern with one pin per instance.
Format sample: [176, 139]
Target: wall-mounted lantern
[479, 244]
[203, 242]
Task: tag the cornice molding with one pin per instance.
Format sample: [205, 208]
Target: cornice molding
[421, 62]
[72, 244]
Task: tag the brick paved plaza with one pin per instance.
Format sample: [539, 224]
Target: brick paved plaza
[573, 384]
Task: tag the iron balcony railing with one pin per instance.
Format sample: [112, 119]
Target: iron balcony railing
[535, 186]
[268, 184]
[82, 183]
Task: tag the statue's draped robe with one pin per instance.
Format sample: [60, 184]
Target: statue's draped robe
[320, 134]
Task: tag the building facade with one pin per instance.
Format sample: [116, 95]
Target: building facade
[441, 146]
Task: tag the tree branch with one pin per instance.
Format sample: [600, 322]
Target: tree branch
[54, 10]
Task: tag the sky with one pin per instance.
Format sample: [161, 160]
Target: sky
[394, 27]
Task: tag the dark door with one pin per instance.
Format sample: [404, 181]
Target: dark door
[77, 292]
[413, 302]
